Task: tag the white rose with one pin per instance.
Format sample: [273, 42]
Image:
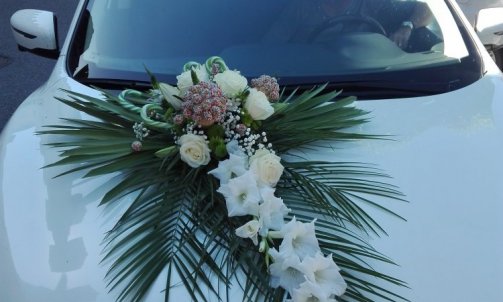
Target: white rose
[169, 92]
[266, 167]
[184, 80]
[194, 150]
[258, 106]
[231, 82]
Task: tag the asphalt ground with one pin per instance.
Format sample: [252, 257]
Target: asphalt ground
[22, 72]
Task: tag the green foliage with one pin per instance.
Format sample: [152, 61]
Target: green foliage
[178, 222]
[216, 130]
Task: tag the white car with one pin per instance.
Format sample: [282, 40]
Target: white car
[486, 17]
[440, 100]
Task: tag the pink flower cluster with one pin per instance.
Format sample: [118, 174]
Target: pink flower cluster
[204, 103]
[268, 85]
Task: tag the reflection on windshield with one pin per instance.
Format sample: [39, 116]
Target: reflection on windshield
[296, 41]
[320, 35]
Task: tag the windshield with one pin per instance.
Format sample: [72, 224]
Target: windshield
[298, 41]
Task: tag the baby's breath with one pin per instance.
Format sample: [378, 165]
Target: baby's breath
[140, 131]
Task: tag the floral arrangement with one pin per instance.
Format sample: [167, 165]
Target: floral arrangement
[219, 187]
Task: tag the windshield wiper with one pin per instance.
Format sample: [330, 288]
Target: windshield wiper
[382, 89]
[82, 76]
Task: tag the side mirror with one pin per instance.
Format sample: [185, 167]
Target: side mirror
[36, 31]
[489, 26]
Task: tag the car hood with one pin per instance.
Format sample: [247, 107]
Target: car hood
[445, 153]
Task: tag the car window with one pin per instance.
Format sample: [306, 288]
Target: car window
[297, 41]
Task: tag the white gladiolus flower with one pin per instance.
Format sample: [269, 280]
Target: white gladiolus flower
[309, 292]
[267, 167]
[249, 230]
[272, 211]
[231, 82]
[194, 150]
[233, 148]
[257, 105]
[184, 80]
[299, 239]
[169, 92]
[241, 195]
[286, 271]
[233, 166]
[324, 272]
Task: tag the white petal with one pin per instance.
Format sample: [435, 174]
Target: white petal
[309, 291]
[285, 271]
[241, 195]
[249, 230]
[233, 148]
[300, 239]
[171, 93]
[229, 168]
[324, 272]
[272, 211]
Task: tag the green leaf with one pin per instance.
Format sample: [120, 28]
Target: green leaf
[178, 222]
[166, 152]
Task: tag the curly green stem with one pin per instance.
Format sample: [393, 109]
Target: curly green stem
[127, 104]
[145, 111]
[190, 65]
[215, 60]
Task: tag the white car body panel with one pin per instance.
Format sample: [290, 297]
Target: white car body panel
[445, 155]
[471, 8]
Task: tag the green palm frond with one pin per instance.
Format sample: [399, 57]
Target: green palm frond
[333, 187]
[178, 223]
[312, 117]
